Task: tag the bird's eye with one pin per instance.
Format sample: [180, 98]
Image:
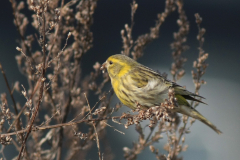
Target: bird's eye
[110, 62]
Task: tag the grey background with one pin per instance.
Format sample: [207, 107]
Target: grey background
[222, 22]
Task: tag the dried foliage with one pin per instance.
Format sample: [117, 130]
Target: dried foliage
[57, 113]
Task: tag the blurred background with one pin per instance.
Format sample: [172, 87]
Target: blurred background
[222, 42]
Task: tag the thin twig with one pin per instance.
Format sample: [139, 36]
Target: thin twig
[67, 108]
[64, 124]
[199, 75]
[98, 146]
[114, 128]
[21, 36]
[9, 89]
[149, 135]
[89, 111]
[24, 107]
[41, 86]
[13, 100]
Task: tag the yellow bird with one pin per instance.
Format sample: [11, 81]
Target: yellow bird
[135, 83]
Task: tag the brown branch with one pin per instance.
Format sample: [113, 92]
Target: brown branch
[67, 107]
[9, 89]
[18, 29]
[94, 126]
[199, 74]
[36, 128]
[41, 87]
[127, 40]
[13, 100]
[89, 111]
[24, 107]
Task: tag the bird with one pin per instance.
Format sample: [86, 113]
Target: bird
[134, 83]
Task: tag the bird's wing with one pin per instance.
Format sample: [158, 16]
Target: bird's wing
[146, 78]
[143, 76]
[146, 86]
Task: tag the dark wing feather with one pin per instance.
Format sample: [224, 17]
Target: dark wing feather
[193, 99]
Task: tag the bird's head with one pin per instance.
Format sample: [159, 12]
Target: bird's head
[118, 65]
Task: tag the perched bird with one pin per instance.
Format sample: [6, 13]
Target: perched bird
[135, 84]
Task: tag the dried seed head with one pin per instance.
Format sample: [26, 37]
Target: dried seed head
[19, 49]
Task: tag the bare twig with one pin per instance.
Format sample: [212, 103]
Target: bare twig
[41, 86]
[196, 76]
[96, 134]
[19, 30]
[24, 107]
[36, 128]
[9, 89]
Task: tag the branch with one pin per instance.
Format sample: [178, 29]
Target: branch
[36, 128]
[13, 100]
[41, 86]
[94, 126]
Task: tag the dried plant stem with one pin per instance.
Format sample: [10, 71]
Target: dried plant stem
[9, 89]
[59, 152]
[24, 107]
[41, 88]
[67, 108]
[94, 126]
[18, 29]
[198, 75]
[149, 135]
[89, 111]
[65, 124]
[14, 103]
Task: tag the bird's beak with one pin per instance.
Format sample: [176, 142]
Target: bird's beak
[103, 67]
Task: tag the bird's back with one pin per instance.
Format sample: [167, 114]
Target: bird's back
[142, 86]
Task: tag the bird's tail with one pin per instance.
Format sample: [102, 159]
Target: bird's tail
[195, 114]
